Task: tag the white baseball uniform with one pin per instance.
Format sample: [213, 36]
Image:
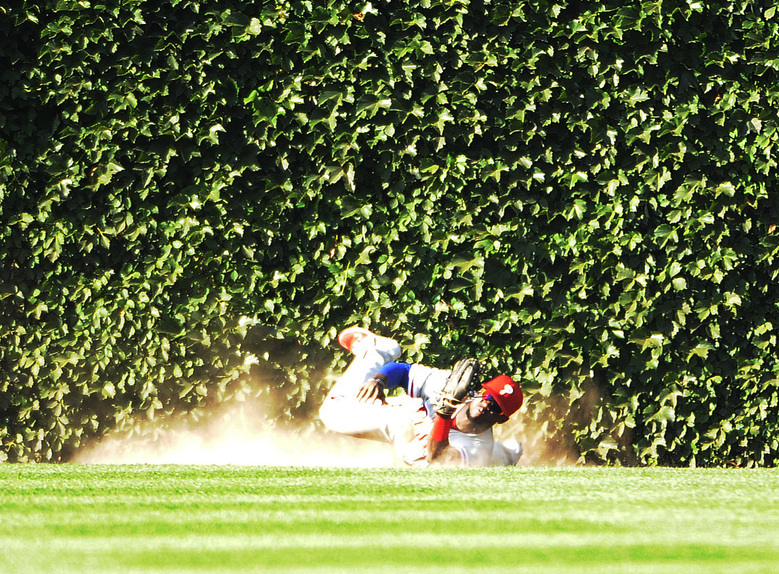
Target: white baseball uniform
[405, 421]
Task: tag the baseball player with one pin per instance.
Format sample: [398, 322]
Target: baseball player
[444, 417]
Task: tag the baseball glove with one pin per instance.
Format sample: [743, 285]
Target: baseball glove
[463, 379]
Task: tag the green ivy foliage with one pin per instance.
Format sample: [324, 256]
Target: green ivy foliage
[197, 195]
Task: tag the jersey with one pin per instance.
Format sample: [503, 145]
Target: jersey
[427, 383]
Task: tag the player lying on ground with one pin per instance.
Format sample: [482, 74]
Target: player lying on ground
[443, 423]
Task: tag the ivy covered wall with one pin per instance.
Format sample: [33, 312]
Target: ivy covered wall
[198, 195]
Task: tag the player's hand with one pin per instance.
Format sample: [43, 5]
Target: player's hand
[372, 391]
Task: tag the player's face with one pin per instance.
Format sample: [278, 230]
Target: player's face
[483, 409]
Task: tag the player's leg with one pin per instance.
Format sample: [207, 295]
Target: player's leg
[506, 453]
[341, 411]
[370, 352]
[381, 422]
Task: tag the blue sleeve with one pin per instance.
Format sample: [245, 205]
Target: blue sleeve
[397, 375]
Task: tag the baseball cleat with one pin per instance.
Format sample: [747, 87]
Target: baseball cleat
[349, 337]
[359, 341]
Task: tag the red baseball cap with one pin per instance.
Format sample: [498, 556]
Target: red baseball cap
[506, 393]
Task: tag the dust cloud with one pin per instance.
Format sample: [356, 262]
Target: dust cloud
[537, 448]
[243, 434]
[238, 435]
[547, 425]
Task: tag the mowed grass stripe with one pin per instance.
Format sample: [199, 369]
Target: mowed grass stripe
[683, 522]
[317, 553]
[215, 554]
[229, 519]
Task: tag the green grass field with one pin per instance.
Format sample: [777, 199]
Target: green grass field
[98, 519]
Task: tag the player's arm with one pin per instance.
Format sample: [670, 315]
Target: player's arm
[463, 377]
[438, 449]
